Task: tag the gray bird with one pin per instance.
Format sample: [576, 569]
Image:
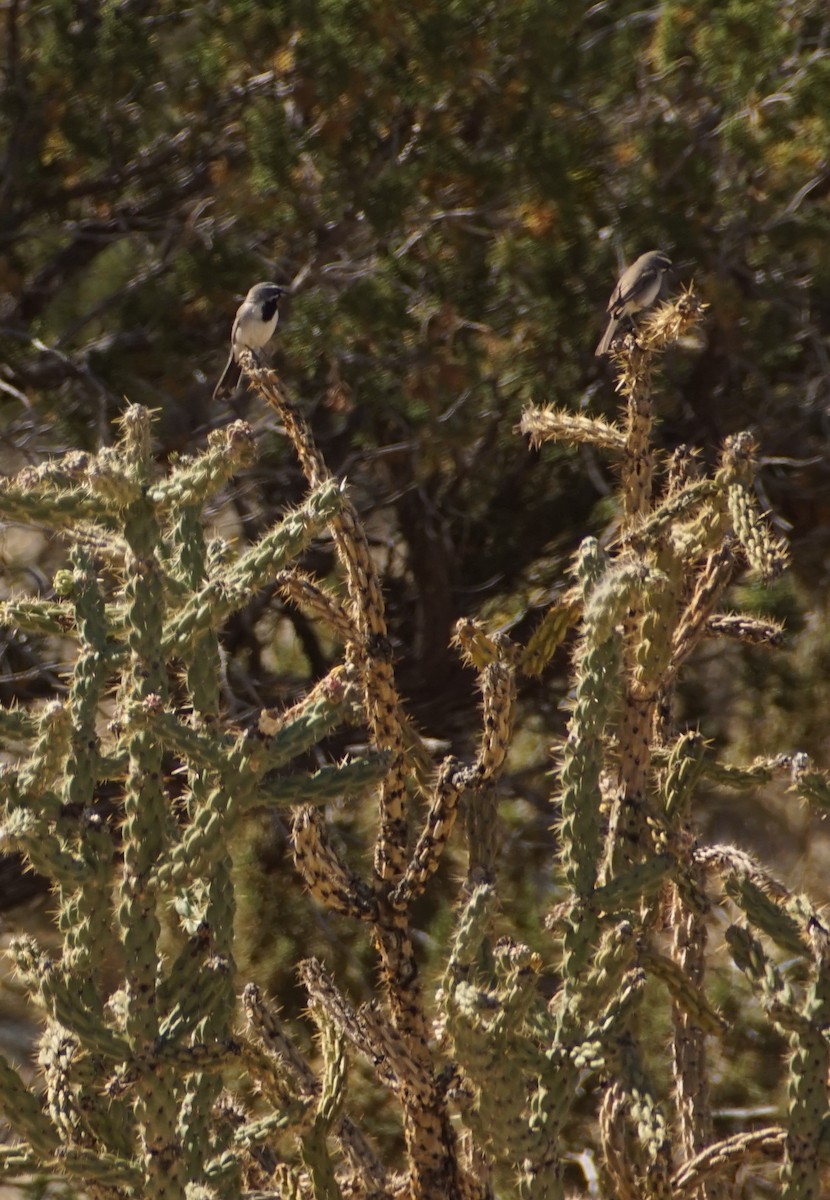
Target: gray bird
[637, 288]
[254, 325]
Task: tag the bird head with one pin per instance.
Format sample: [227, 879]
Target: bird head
[262, 292]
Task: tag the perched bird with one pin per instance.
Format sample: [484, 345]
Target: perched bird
[637, 288]
[254, 325]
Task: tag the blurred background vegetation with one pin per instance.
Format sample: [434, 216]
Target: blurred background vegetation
[449, 190]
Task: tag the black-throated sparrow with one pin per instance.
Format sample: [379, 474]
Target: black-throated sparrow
[637, 288]
[254, 325]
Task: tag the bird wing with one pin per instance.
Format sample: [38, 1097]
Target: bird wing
[616, 296]
[627, 288]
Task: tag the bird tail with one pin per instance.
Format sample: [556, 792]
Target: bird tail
[230, 367]
[607, 338]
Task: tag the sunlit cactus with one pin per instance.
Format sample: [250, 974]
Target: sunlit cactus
[528, 1066]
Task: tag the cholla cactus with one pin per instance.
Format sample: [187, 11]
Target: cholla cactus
[133, 1076]
[180, 1078]
[630, 863]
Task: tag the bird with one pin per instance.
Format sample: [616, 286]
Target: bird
[254, 325]
[637, 288]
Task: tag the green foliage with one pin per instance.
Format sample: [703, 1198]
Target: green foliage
[439, 184]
